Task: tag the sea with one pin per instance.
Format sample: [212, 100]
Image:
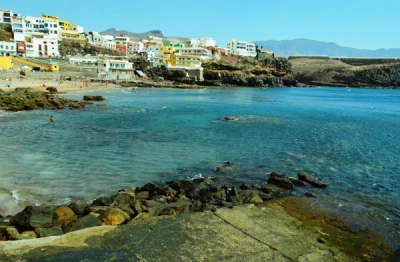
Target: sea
[348, 138]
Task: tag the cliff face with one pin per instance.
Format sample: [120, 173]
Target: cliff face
[337, 73]
[249, 72]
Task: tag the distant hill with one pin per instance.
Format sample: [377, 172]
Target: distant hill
[138, 36]
[303, 46]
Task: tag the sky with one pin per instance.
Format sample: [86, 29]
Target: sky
[362, 24]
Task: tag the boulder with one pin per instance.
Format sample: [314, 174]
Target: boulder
[65, 214]
[52, 90]
[13, 234]
[231, 118]
[114, 216]
[35, 216]
[310, 179]
[49, 232]
[77, 207]
[280, 180]
[93, 98]
[82, 223]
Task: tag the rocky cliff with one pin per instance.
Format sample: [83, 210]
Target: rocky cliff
[250, 72]
[330, 72]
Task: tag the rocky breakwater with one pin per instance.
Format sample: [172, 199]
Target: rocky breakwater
[271, 71]
[151, 200]
[30, 99]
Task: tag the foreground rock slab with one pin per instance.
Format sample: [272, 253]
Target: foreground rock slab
[243, 233]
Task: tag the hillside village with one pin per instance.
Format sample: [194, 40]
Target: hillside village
[49, 43]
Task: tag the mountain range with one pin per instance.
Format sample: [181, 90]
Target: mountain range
[284, 48]
[303, 46]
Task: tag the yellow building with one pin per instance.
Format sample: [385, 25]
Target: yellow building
[6, 62]
[165, 52]
[185, 60]
[64, 24]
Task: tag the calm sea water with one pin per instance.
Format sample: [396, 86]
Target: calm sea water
[347, 138]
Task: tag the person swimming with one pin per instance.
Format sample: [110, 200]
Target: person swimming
[52, 119]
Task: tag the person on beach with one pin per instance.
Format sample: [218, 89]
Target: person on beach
[52, 119]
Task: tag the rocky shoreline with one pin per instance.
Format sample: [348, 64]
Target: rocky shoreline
[196, 202]
[151, 200]
[31, 99]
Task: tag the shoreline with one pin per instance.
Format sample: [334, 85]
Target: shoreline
[290, 228]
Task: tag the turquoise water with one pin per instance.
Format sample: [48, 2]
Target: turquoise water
[348, 138]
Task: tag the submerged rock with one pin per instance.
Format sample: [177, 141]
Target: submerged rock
[310, 179]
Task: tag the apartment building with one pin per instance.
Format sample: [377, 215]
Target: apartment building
[241, 48]
[122, 44]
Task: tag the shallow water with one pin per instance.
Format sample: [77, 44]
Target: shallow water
[347, 138]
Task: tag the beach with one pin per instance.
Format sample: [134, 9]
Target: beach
[64, 86]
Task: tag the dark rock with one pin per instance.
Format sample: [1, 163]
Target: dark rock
[232, 195]
[298, 182]
[50, 231]
[82, 223]
[35, 216]
[250, 196]
[122, 200]
[52, 90]
[78, 207]
[181, 186]
[93, 98]
[281, 180]
[310, 179]
[231, 118]
[308, 194]
[102, 201]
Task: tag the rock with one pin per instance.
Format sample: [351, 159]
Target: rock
[221, 169]
[142, 195]
[77, 105]
[35, 216]
[102, 201]
[122, 200]
[232, 195]
[181, 186]
[77, 207]
[231, 118]
[114, 216]
[310, 179]
[250, 196]
[101, 105]
[94, 98]
[136, 206]
[49, 232]
[175, 209]
[12, 234]
[65, 214]
[52, 90]
[308, 194]
[281, 180]
[142, 216]
[298, 182]
[81, 223]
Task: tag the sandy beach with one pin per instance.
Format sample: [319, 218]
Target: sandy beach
[41, 85]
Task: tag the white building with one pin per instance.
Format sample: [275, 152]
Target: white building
[42, 46]
[5, 16]
[8, 48]
[241, 48]
[202, 53]
[135, 47]
[207, 42]
[153, 51]
[107, 41]
[192, 42]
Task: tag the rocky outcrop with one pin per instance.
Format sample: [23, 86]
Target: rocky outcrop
[30, 99]
[151, 200]
[270, 71]
[331, 72]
